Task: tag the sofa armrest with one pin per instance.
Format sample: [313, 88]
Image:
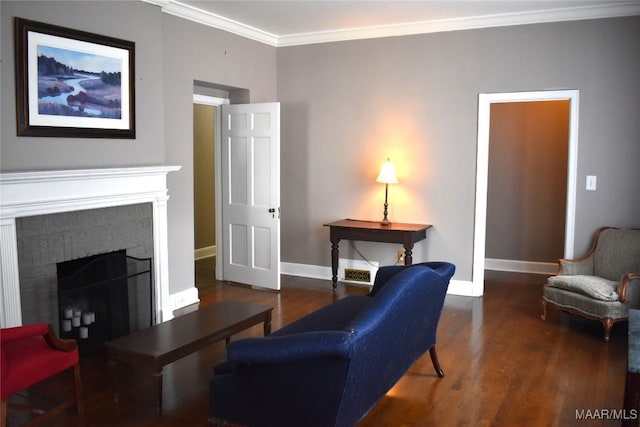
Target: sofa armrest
[384, 274]
[290, 348]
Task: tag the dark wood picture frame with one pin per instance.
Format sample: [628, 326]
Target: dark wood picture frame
[67, 94]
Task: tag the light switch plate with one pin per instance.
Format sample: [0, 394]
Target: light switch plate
[591, 182]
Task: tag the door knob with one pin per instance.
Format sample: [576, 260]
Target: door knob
[272, 211]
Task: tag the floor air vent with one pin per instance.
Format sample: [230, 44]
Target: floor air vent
[358, 272]
[354, 275]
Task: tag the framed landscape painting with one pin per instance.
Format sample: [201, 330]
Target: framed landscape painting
[71, 83]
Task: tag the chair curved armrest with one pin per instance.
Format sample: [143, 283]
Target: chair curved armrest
[571, 267]
[59, 344]
[34, 330]
[290, 348]
[624, 284]
[582, 265]
[21, 332]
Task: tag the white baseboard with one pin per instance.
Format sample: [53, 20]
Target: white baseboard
[180, 300]
[461, 287]
[206, 252]
[306, 270]
[520, 266]
[456, 287]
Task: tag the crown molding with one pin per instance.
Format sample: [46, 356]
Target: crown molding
[200, 16]
[459, 24]
[611, 10]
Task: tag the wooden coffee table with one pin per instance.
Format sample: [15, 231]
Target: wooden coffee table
[167, 342]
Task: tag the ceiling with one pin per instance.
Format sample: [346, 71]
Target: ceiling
[293, 22]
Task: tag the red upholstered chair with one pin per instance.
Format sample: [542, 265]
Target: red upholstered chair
[30, 354]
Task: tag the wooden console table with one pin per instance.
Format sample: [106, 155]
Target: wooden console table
[373, 231]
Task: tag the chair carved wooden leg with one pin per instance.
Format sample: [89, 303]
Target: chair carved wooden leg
[608, 324]
[434, 360]
[3, 415]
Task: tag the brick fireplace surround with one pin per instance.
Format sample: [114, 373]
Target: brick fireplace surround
[29, 194]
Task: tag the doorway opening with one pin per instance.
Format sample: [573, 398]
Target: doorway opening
[482, 169]
[527, 186]
[206, 186]
[246, 174]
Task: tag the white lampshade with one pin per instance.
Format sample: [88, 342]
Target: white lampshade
[387, 173]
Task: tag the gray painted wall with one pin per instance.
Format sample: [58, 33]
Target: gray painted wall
[133, 21]
[347, 106]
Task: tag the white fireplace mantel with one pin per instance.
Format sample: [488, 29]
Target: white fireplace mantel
[45, 192]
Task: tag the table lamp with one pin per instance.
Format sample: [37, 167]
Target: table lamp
[387, 176]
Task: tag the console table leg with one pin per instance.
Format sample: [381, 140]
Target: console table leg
[408, 255]
[334, 263]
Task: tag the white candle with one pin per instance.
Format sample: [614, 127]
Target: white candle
[77, 312]
[76, 321]
[66, 325]
[86, 319]
[84, 333]
[93, 316]
[68, 313]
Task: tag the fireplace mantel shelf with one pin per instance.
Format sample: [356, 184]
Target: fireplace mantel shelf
[42, 192]
[45, 192]
[81, 174]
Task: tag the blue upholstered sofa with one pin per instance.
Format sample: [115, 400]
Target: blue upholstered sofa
[332, 366]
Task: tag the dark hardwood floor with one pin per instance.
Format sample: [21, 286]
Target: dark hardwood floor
[503, 365]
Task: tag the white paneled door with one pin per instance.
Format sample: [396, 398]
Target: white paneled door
[251, 194]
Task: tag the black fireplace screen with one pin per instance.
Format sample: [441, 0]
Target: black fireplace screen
[103, 297]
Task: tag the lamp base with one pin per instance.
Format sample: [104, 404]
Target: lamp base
[385, 221]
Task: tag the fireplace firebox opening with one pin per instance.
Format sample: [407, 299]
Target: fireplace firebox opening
[103, 297]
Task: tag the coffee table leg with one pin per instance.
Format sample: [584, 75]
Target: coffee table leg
[267, 324]
[114, 378]
[158, 378]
